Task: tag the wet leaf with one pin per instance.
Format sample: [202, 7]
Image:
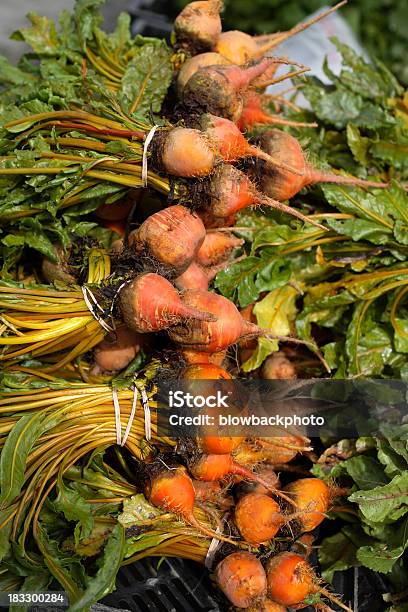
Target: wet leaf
[381, 502]
[147, 79]
[276, 313]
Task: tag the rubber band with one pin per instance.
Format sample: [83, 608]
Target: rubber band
[87, 293]
[212, 549]
[131, 417]
[146, 144]
[116, 406]
[147, 416]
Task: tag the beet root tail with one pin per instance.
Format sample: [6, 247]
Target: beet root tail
[328, 177]
[275, 120]
[292, 211]
[279, 38]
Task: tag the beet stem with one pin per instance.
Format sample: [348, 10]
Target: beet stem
[293, 212]
[272, 160]
[107, 131]
[210, 533]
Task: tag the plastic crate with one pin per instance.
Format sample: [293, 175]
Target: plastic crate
[184, 586]
[176, 586]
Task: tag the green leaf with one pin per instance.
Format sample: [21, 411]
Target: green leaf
[87, 17]
[372, 207]
[145, 541]
[382, 556]
[368, 344]
[401, 335]
[363, 78]
[393, 153]
[75, 508]
[11, 74]
[147, 78]
[358, 144]
[378, 557]
[57, 565]
[342, 107]
[42, 36]
[264, 348]
[137, 510]
[393, 463]
[36, 240]
[94, 543]
[366, 472]
[104, 580]
[239, 278]
[16, 449]
[120, 39]
[380, 503]
[5, 531]
[276, 312]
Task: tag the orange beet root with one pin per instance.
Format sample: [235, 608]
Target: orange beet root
[230, 142]
[170, 237]
[229, 190]
[217, 247]
[258, 518]
[278, 367]
[193, 64]
[213, 467]
[150, 303]
[198, 277]
[241, 578]
[283, 184]
[185, 152]
[218, 89]
[312, 495]
[290, 578]
[212, 337]
[173, 490]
